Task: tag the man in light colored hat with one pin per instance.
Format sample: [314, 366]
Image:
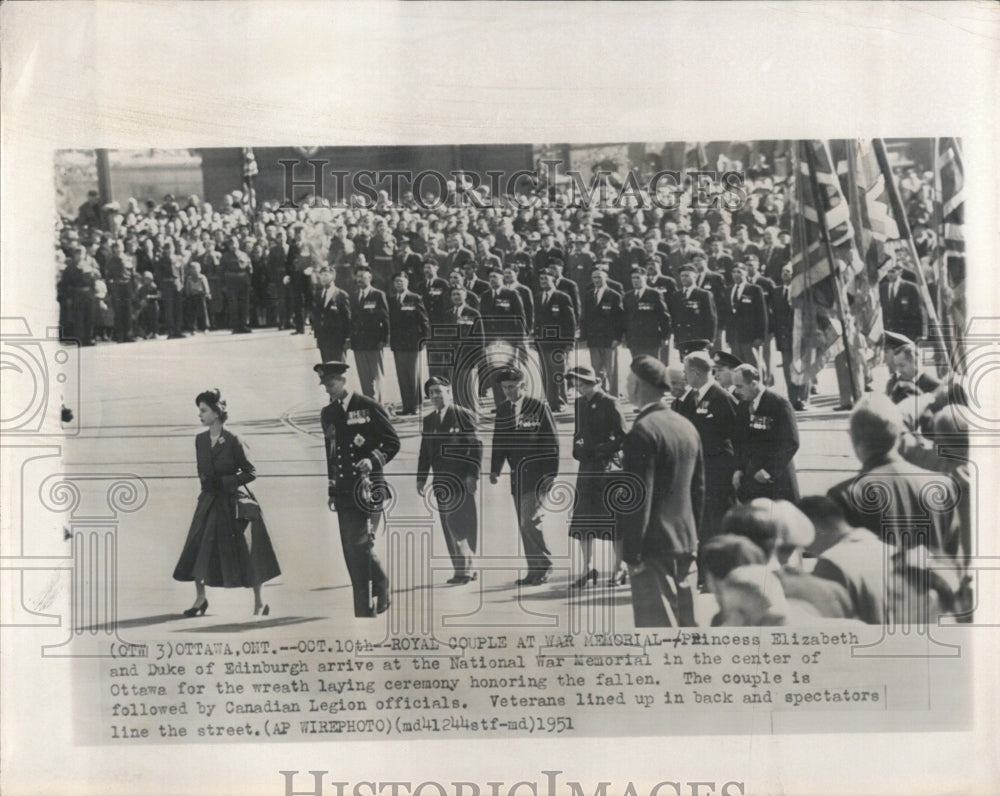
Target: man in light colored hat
[450, 449]
[659, 527]
[360, 441]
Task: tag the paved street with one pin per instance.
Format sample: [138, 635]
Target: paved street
[138, 416]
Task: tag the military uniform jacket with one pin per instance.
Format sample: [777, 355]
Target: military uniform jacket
[369, 321]
[476, 287]
[694, 316]
[361, 430]
[747, 314]
[333, 316]
[647, 321]
[449, 448]
[436, 296]
[714, 416]
[768, 288]
[528, 443]
[666, 285]
[600, 429]
[503, 315]
[663, 452]
[768, 440]
[408, 325]
[555, 318]
[603, 322]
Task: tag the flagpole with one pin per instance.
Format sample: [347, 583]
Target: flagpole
[903, 224]
[820, 206]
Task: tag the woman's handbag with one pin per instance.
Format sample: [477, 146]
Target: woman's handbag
[247, 507]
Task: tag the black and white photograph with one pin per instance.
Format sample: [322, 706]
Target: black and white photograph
[422, 438]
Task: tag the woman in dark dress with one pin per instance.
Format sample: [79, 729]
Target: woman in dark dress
[600, 429]
[217, 551]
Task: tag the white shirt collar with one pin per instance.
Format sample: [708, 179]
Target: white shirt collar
[704, 389]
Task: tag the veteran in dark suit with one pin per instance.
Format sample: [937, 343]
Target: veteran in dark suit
[524, 437]
[369, 333]
[434, 291]
[503, 321]
[332, 325]
[451, 451]
[766, 440]
[714, 283]
[597, 440]
[461, 334]
[784, 323]
[555, 330]
[746, 325]
[903, 310]
[647, 320]
[693, 313]
[712, 410]
[602, 326]
[659, 527]
[408, 333]
[360, 441]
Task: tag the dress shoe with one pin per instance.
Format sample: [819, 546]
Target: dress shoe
[581, 582]
[198, 610]
[381, 604]
[473, 575]
[458, 580]
[798, 406]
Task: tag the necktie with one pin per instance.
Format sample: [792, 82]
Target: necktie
[788, 297]
[600, 292]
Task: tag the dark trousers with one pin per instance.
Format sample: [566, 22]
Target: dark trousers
[330, 349]
[529, 520]
[796, 392]
[300, 299]
[604, 361]
[197, 313]
[663, 593]
[370, 370]
[239, 307]
[461, 528]
[649, 349]
[553, 357]
[408, 375]
[121, 303]
[362, 564]
[745, 351]
[149, 318]
[170, 304]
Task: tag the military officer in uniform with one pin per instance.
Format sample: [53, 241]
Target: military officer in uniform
[766, 440]
[524, 437]
[712, 410]
[369, 333]
[452, 452]
[360, 441]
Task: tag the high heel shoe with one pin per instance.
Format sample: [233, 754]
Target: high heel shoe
[581, 582]
[197, 610]
[618, 579]
[262, 611]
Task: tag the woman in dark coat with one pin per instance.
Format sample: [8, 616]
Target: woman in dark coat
[217, 551]
[600, 429]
